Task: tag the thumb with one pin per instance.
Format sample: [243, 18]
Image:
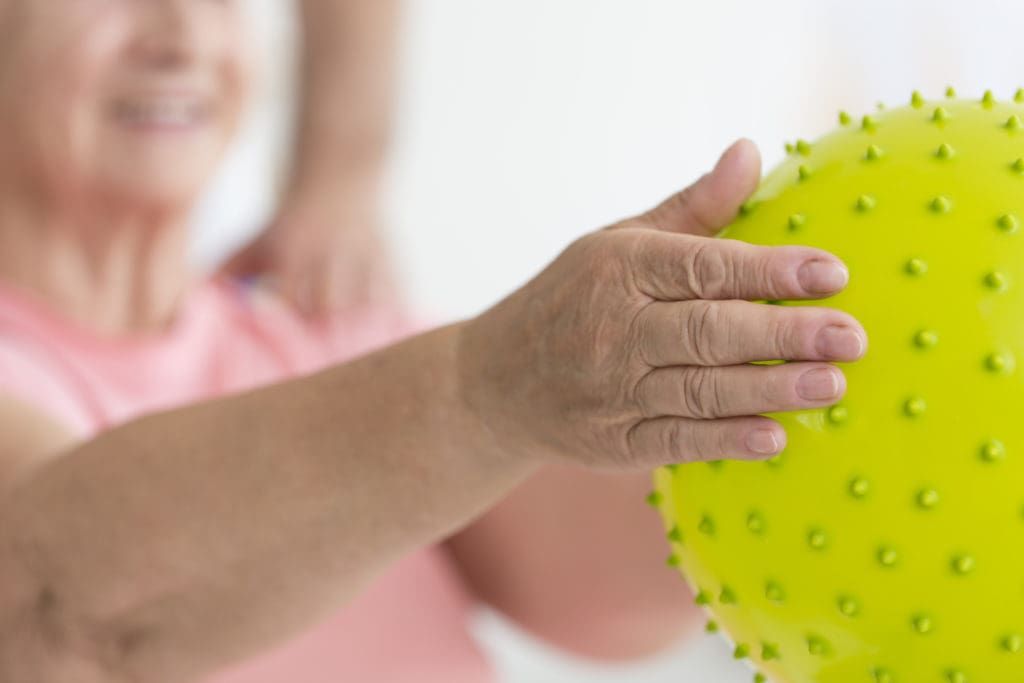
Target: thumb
[714, 200]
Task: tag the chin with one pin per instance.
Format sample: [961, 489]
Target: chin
[158, 191]
[159, 172]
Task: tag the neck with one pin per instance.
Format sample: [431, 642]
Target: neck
[113, 272]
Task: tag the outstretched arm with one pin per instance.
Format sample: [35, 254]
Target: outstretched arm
[144, 554]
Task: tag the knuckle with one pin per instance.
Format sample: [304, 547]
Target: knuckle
[703, 332]
[633, 449]
[791, 332]
[643, 334]
[701, 394]
[784, 333]
[676, 440]
[642, 394]
[707, 269]
[690, 265]
[768, 272]
[759, 274]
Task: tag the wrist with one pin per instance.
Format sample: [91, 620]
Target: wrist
[334, 202]
[485, 402]
[344, 172]
[328, 212]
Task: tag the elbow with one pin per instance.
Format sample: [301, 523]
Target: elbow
[44, 635]
[49, 633]
[39, 642]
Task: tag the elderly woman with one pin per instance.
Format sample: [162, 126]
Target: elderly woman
[172, 507]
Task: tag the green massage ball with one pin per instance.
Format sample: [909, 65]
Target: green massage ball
[886, 543]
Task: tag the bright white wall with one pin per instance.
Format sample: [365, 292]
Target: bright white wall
[524, 124]
[529, 123]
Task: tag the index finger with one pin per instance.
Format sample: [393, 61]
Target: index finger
[672, 267]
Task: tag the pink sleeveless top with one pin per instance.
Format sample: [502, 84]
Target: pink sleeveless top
[410, 625]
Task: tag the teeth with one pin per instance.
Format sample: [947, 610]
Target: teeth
[161, 112]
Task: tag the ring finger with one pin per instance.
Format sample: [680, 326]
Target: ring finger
[708, 393]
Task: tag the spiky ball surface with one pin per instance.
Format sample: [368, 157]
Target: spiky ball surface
[886, 543]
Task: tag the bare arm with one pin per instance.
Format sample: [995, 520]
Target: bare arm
[145, 555]
[348, 79]
[324, 250]
[187, 540]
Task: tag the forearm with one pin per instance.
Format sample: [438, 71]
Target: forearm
[348, 78]
[591, 576]
[187, 540]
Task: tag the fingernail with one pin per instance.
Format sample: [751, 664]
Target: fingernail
[821, 277]
[837, 342]
[818, 384]
[762, 441]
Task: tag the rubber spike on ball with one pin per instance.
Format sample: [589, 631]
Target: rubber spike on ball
[883, 545]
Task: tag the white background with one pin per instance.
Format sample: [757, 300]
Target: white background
[524, 124]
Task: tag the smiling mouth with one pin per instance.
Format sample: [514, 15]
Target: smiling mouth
[162, 113]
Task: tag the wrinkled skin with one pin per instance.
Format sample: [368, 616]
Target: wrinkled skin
[634, 348]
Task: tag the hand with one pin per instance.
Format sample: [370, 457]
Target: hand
[322, 260]
[634, 348]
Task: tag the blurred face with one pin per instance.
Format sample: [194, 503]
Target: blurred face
[121, 100]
